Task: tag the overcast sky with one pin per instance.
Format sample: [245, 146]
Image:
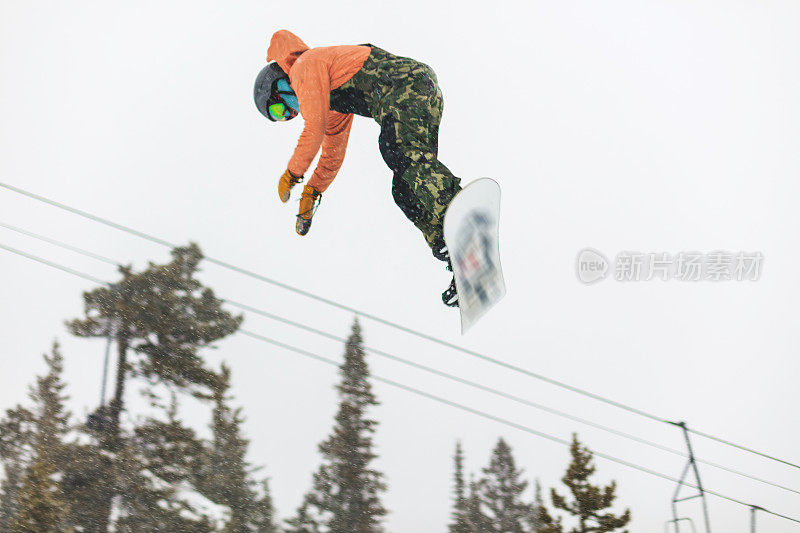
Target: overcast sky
[654, 126]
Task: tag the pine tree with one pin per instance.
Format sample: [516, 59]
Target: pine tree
[168, 449]
[459, 523]
[589, 501]
[144, 502]
[151, 475]
[38, 452]
[225, 478]
[52, 421]
[229, 450]
[88, 477]
[148, 472]
[164, 316]
[345, 492]
[501, 493]
[40, 506]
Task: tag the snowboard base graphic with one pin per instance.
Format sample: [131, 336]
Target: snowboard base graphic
[471, 233]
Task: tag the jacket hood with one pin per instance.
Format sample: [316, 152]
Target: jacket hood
[284, 48]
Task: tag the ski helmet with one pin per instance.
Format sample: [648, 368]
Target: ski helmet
[267, 92]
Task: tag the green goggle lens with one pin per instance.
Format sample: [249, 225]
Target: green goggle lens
[278, 111]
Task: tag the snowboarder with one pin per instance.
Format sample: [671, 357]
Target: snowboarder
[327, 86]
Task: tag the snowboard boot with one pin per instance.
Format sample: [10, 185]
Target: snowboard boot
[450, 295]
[309, 201]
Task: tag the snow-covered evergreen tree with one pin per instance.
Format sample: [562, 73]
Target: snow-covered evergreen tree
[501, 492]
[164, 315]
[345, 495]
[39, 453]
[160, 318]
[225, 477]
[40, 506]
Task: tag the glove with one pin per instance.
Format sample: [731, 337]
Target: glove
[309, 201]
[285, 184]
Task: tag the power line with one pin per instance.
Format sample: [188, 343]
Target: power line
[60, 244]
[740, 447]
[430, 396]
[53, 265]
[400, 327]
[446, 375]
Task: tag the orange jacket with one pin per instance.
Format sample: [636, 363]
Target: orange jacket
[313, 74]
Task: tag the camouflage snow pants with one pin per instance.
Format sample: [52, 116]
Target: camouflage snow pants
[403, 96]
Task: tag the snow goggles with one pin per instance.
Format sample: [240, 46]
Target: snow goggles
[280, 111]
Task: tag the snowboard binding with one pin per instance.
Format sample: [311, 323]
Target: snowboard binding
[450, 295]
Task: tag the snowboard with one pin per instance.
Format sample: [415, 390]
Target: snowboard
[471, 233]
